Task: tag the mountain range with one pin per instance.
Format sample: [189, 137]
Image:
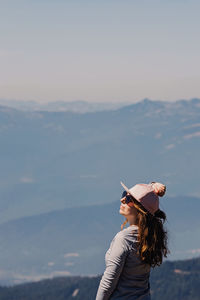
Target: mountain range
[60, 182]
[55, 160]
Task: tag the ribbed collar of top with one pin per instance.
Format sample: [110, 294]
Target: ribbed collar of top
[132, 227]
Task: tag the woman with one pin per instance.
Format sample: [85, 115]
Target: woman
[136, 249]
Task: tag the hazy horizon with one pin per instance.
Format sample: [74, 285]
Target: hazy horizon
[43, 102]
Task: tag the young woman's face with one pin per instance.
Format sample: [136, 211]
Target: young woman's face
[125, 209]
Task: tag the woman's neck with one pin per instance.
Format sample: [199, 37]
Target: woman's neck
[132, 220]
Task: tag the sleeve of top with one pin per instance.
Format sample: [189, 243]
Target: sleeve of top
[114, 265]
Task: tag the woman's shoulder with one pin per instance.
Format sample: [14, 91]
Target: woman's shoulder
[127, 235]
[131, 230]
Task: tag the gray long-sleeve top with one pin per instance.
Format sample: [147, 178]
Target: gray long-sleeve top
[126, 276]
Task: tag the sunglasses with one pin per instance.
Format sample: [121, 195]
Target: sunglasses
[128, 199]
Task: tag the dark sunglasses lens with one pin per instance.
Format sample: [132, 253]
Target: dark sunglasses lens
[128, 199]
[124, 194]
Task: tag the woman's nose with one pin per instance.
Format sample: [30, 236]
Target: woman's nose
[123, 200]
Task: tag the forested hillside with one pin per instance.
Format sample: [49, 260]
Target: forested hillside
[177, 280]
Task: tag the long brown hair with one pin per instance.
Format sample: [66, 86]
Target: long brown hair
[152, 236]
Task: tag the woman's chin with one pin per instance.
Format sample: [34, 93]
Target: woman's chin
[121, 212]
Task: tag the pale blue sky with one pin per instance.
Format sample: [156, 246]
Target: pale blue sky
[99, 50]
